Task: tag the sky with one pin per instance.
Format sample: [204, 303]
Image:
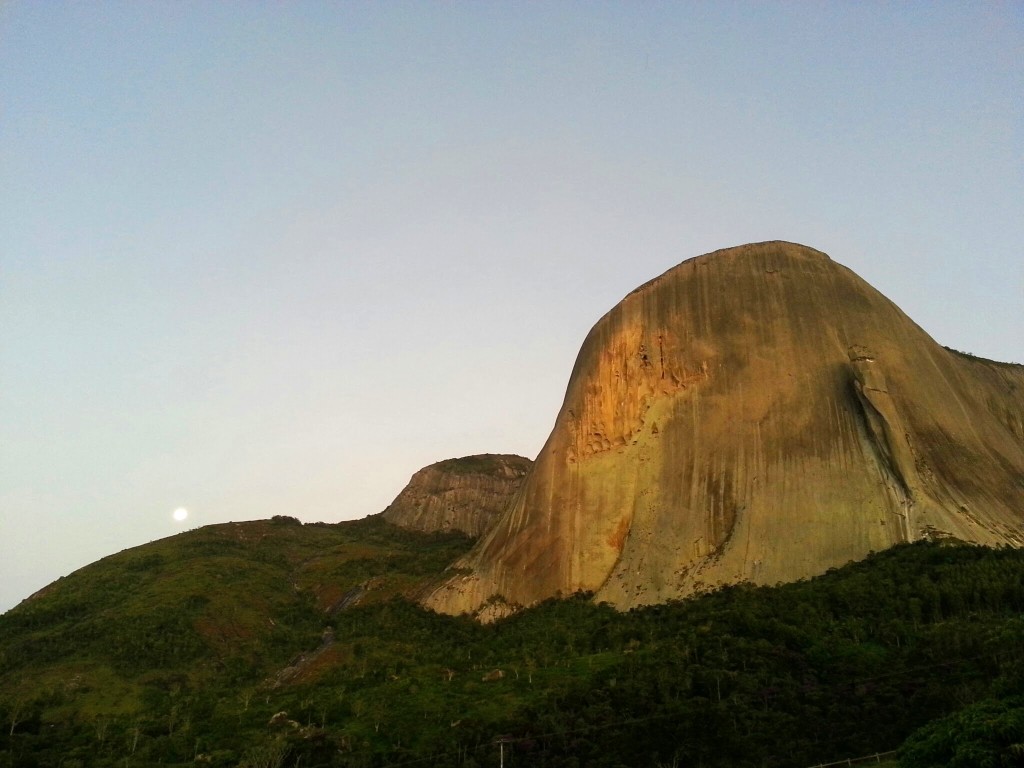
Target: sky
[262, 259]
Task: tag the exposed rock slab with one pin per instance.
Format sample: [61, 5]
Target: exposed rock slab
[755, 414]
[466, 494]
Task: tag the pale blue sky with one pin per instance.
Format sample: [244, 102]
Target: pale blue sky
[263, 259]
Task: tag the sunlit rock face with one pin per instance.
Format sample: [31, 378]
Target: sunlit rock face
[466, 494]
[754, 414]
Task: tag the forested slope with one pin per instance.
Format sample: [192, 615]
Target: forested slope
[847, 664]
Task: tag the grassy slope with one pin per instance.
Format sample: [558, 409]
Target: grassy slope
[230, 602]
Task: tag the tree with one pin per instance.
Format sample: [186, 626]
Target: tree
[989, 733]
[17, 711]
[265, 756]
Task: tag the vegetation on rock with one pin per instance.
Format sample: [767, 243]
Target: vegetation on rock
[484, 463]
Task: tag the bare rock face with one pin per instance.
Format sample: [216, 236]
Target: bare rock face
[755, 414]
[466, 494]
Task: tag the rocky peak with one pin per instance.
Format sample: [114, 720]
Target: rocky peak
[465, 494]
[755, 414]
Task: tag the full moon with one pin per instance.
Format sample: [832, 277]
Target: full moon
[180, 514]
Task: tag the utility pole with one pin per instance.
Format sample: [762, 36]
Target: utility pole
[502, 741]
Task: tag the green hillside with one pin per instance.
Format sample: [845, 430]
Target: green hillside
[279, 644]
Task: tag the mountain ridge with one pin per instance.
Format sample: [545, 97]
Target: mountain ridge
[277, 643]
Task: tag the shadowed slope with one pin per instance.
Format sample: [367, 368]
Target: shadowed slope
[758, 413]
